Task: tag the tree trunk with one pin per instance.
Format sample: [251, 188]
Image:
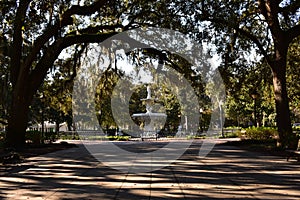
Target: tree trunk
[56, 127]
[18, 118]
[287, 139]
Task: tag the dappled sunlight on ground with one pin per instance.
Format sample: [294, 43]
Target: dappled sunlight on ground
[227, 173]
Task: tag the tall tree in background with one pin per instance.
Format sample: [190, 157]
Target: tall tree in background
[269, 26]
[293, 74]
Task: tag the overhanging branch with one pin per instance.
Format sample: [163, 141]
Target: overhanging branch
[39, 43]
[46, 62]
[15, 51]
[290, 9]
[293, 33]
[53, 30]
[82, 10]
[254, 39]
[243, 32]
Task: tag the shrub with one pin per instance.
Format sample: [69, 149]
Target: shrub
[231, 132]
[123, 138]
[297, 131]
[52, 136]
[118, 138]
[260, 133]
[68, 137]
[34, 137]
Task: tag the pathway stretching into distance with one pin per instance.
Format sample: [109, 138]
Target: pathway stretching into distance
[226, 173]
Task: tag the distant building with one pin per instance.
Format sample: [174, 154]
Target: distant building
[48, 127]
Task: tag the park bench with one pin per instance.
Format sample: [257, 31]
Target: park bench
[294, 153]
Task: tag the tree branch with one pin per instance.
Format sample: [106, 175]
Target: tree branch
[243, 32]
[290, 9]
[82, 10]
[16, 48]
[96, 29]
[65, 20]
[39, 43]
[254, 39]
[46, 62]
[76, 61]
[270, 9]
[293, 32]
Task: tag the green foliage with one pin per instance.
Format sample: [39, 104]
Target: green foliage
[296, 129]
[191, 137]
[53, 101]
[260, 133]
[240, 105]
[293, 74]
[50, 136]
[75, 136]
[68, 137]
[231, 132]
[103, 98]
[33, 33]
[118, 138]
[34, 137]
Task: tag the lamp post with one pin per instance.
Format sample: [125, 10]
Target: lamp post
[201, 119]
[42, 117]
[43, 125]
[254, 96]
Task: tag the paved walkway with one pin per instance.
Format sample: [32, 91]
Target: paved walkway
[226, 173]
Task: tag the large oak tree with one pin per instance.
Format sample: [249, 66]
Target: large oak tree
[34, 33]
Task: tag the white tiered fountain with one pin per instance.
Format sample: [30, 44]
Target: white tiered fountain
[151, 119]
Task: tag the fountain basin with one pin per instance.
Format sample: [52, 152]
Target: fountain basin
[141, 115]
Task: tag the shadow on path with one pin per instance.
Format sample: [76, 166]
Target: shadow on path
[226, 173]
